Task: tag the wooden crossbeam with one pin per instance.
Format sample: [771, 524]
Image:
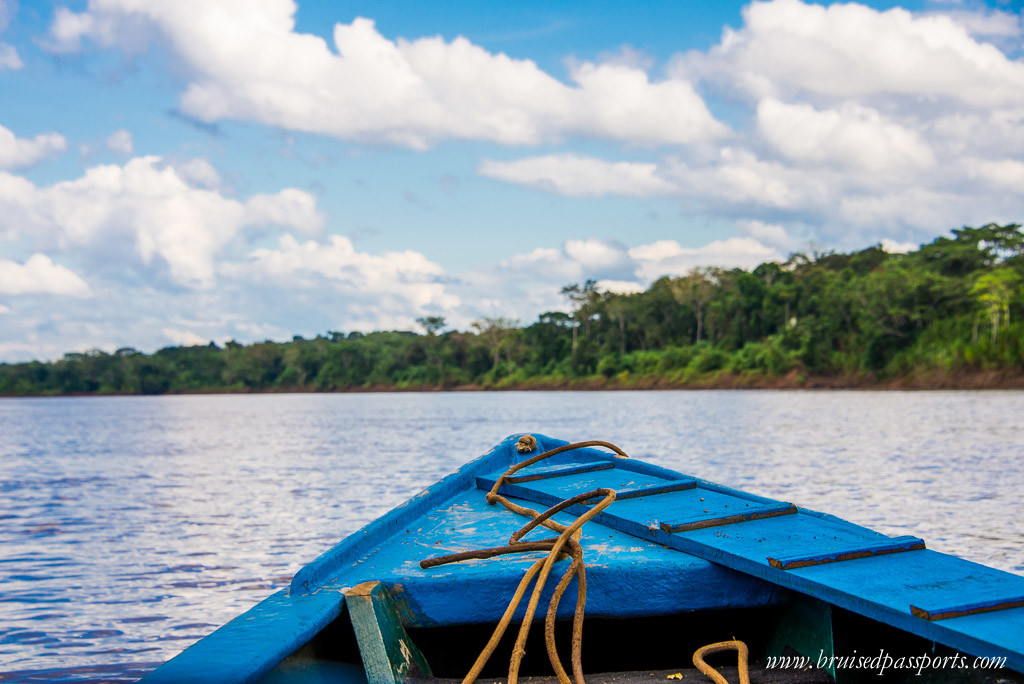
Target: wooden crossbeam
[879, 548]
[769, 511]
[560, 471]
[944, 613]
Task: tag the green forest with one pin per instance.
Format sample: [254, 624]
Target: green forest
[949, 314]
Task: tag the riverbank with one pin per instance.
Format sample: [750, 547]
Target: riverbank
[794, 380]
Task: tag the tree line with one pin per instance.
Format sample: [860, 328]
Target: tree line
[953, 306]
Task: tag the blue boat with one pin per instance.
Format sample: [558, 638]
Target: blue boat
[673, 567]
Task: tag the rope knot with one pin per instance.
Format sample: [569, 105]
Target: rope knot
[526, 444]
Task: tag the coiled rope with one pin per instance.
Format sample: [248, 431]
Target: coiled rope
[566, 544]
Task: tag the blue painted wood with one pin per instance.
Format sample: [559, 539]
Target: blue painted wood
[649, 490]
[696, 521]
[252, 644]
[477, 591]
[617, 479]
[874, 548]
[315, 574]
[532, 473]
[626, 548]
[747, 546]
[947, 612]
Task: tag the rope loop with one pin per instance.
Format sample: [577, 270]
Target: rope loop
[565, 545]
[716, 677]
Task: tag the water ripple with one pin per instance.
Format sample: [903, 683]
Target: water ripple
[133, 526]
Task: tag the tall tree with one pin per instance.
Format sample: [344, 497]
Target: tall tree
[579, 298]
[494, 331]
[993, 290]
[695, 289]
[432, 324]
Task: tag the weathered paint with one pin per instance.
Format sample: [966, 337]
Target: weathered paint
[389, 655]
[872, 548]
[634, 566]
[540, 473]
[946, 612]
[253, 643]
[699, 521]
[879, 586]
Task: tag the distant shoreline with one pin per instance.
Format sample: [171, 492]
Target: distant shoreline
[976, 380]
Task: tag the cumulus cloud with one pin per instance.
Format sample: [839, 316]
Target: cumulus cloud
[184, 338]
[787, 47]
[577, 176]
[1006, 173]
[529, 283]
[197, 172]
[896, 247]
[771, 234]
[638, 266]
[18, 152]
[39, 275]
[989, 23]
[120, 142]
[668, 257]
[248, 63]
[851, 136]
[397, 282]
[145, 204]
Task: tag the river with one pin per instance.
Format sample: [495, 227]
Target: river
[132, 526]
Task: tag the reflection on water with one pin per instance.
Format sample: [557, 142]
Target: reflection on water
[132, 526]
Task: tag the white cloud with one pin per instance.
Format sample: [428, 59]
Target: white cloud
[4, 309]
[852, 136]
[619, 286]
[248, 63]
[120, 141]
[668, 257]
[9, 58]
[184, 338]
[146, 211]
[576, 176]
[919, 208]
[739, 178]
[197, 172]
[989, 23]
[1005, 173]
[39, 275]
[21, 152]
[402, 282]
[597, 255]
[895, 247]
[547, 262]
[770, 234]
[289, 208]
[787, 47]
[527, 284]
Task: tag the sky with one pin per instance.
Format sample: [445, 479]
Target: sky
[175, 173]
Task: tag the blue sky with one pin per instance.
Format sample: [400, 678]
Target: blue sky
[174, 173]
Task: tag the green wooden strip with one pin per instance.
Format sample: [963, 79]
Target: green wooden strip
[389, 655]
